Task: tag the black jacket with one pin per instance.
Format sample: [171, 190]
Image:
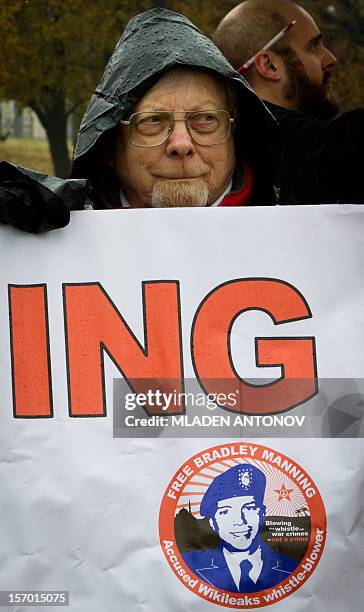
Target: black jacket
[321, 161]
[211, 566]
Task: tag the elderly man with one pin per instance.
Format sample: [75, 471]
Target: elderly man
[234, 504]
[170, 124]
[321, 154]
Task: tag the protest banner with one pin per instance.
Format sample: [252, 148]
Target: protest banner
[129, 337]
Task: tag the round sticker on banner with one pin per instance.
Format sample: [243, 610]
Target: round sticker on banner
[242, 525]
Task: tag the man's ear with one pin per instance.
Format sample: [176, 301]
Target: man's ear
[262, 513]
[268, 65]
[212, 524]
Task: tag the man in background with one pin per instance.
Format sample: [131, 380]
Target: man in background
[320, 150]
[295, 73]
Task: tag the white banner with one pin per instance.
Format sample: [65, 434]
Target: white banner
[127, 338]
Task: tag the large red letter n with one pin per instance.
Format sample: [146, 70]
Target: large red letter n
[94, 325]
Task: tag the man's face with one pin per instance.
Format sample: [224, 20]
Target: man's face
[238, 521]
[309, 65]
[179, 171]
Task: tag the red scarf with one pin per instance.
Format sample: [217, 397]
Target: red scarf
[241, 195]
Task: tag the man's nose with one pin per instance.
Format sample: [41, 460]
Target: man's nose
[179, 143]
[329, 59]
[239, 517]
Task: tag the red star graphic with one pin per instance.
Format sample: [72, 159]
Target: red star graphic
[283, 493]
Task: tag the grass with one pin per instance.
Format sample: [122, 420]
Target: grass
[31, 153]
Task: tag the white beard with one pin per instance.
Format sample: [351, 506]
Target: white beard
[177, 194]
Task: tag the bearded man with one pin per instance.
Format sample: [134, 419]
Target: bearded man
[320, 151]
[171, 124]
[295, 73]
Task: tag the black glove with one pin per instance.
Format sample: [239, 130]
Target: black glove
[35, 202]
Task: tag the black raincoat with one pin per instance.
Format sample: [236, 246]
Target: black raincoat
[152, 43]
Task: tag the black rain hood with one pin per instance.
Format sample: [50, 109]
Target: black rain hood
[152, 43]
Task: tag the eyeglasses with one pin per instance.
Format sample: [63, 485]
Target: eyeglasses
[206, 127]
